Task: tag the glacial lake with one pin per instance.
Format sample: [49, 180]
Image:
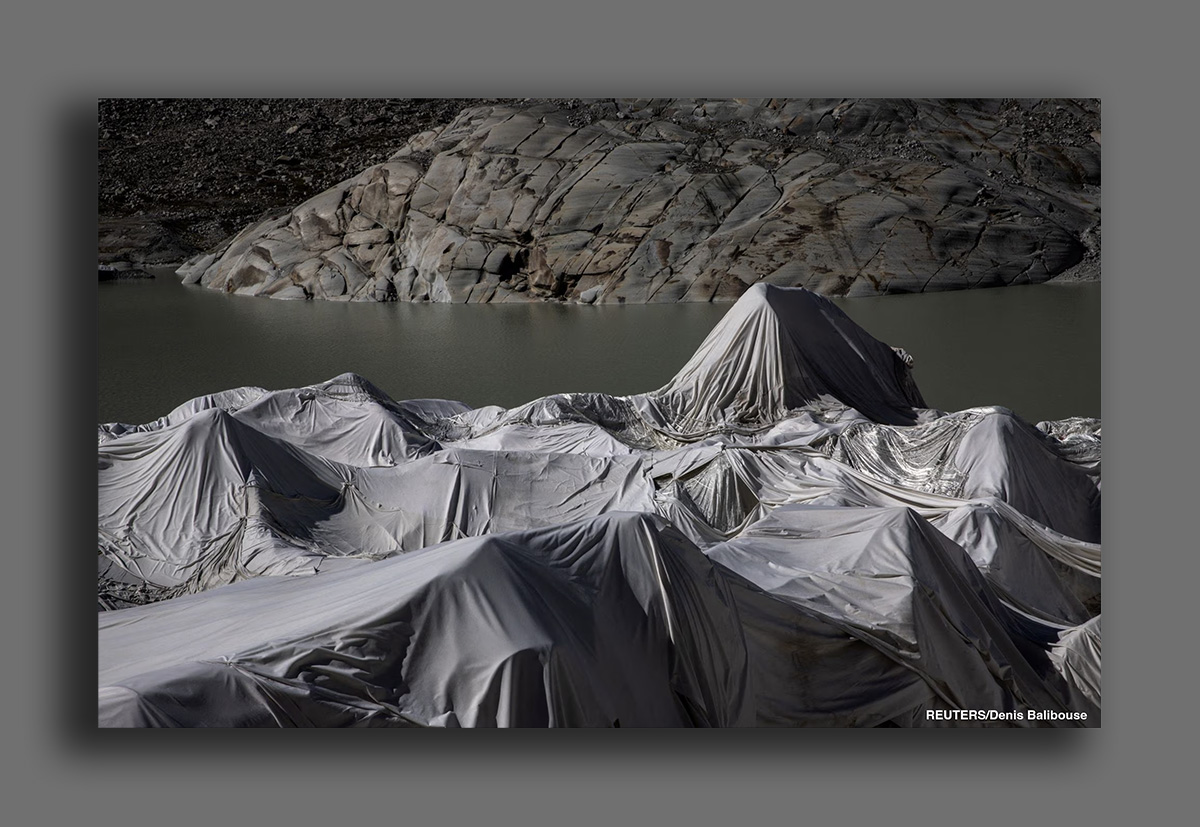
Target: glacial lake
[1034, 349]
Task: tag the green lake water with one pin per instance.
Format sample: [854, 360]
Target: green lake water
[1034, 349]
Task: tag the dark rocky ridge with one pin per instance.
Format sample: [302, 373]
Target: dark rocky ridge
[661, 200]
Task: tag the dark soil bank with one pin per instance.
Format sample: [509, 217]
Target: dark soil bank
[178, 176]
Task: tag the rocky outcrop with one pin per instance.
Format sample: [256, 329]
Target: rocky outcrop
[131, 244]
[122, 270]
[693, 200]
[181, 175]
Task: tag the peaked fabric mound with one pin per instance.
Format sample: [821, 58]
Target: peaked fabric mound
[777, 350]
[782, 535]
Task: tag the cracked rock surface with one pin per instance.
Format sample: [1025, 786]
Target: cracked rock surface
[664, 200]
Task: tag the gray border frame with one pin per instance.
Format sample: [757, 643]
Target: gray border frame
[57, 62]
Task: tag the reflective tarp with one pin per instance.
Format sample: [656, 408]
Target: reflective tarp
[782, 535]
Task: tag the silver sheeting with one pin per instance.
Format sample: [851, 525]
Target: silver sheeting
[888, 579]
[609, 621]
[782, 535]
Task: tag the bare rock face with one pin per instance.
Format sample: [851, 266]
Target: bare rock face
[693, 200]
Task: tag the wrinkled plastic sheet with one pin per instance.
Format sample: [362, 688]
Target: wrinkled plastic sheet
[782, 535]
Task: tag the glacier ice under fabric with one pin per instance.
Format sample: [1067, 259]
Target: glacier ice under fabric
[782, 535]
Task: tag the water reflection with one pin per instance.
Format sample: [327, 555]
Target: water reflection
[1033, 349]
